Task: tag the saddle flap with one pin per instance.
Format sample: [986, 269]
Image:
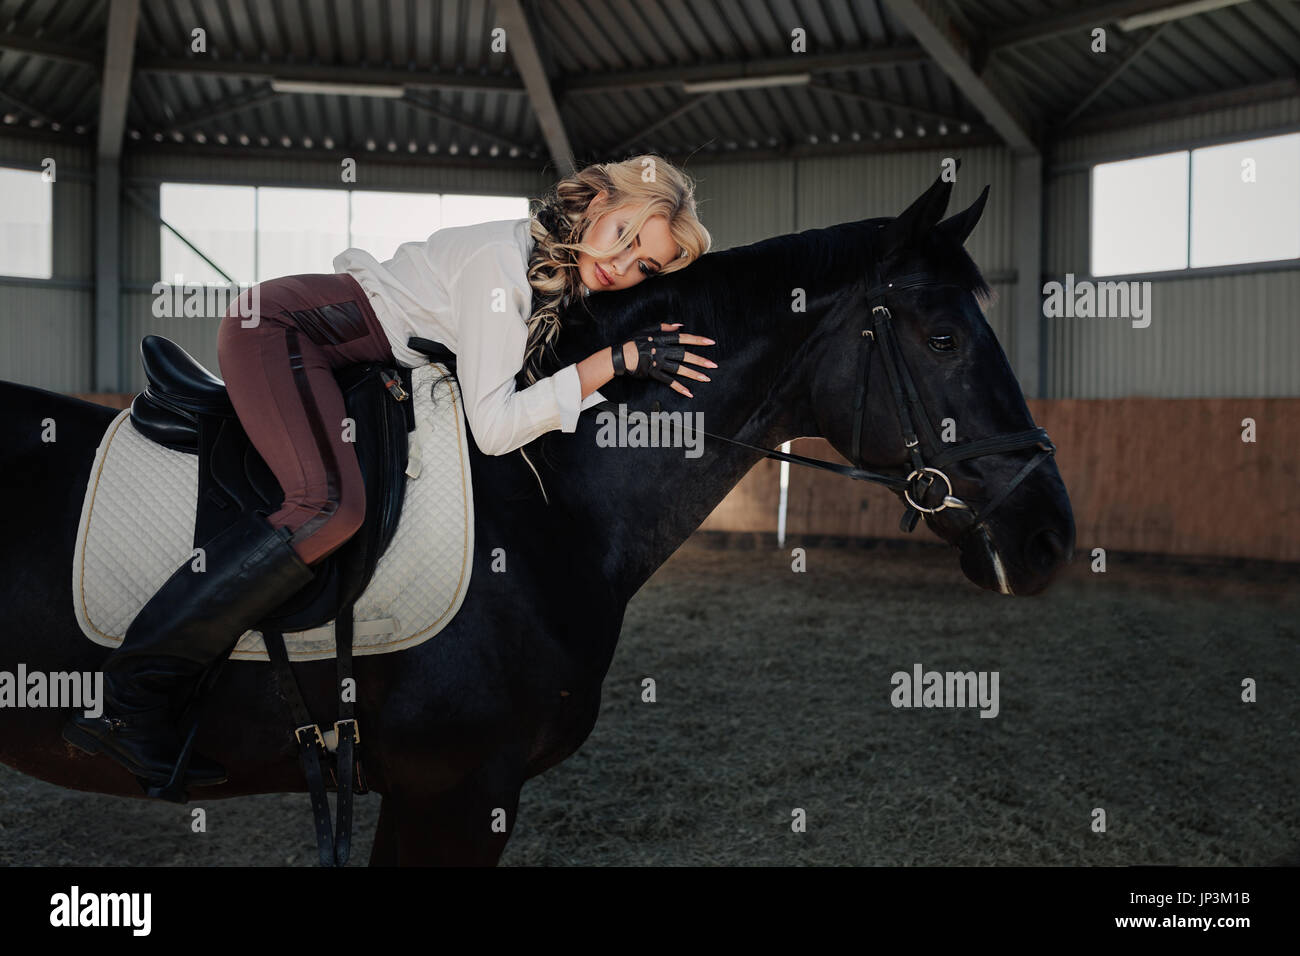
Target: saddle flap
[234, 478]
[163, 424]
[231, 465]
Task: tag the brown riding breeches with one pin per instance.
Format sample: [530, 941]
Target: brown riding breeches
[279, 376]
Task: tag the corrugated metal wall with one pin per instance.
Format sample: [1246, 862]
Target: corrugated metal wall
[740, 202]
[1213, 336]
[1242, 122]
[46, 337]
[844, 188]
[46, 327]
[744, 202]
[1210, 336]
[840, 189]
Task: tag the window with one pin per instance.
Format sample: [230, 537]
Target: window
[299, 230]
[1246, 202]
[255, 233]
[27, 236]
[1139, 215]
[383, 221]
[1213, 206]
[468, 210]
[217, 220]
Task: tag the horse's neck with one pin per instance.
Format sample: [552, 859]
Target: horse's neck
[642, 503]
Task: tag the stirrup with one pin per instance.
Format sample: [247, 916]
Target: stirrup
[174, 789]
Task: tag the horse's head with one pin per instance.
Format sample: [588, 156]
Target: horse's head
[914, 316]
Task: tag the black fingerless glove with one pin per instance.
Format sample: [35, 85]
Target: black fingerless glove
[659, 355]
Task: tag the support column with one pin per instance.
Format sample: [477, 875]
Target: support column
[108, 277]
[114, 97]
[1027, 353]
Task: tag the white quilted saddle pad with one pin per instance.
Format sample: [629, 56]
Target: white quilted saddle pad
[137, 529]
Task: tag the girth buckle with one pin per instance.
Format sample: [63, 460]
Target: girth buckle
[394, 385]
[355, 728]
[312, 728]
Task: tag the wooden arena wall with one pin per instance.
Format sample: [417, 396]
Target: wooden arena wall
[1166, 476]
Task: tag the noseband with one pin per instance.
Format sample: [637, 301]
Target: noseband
[925, 470]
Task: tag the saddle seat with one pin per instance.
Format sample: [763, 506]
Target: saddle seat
[186, 408]
[178, 379]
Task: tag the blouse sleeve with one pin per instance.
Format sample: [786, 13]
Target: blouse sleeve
[491, 301]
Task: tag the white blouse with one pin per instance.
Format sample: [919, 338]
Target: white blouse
[467, 288]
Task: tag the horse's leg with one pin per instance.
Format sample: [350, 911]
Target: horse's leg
[383, 852]
[466, 826]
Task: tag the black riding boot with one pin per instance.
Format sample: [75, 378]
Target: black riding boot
[191, 623]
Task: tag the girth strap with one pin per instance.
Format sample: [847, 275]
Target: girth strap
[347, 737]
[334, 845]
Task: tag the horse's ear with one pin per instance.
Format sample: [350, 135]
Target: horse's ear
[960, 226]
[920, 217]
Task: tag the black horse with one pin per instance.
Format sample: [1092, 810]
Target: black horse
[511, 687]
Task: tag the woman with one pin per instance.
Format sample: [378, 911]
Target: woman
[609, 226]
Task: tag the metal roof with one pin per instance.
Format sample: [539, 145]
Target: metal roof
[669, 75]
[1045, 53]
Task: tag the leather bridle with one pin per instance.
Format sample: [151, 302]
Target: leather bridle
[929, 459]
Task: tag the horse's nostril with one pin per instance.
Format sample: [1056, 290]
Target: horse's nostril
[1046, 549]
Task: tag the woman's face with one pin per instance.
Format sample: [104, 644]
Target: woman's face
[651, 250]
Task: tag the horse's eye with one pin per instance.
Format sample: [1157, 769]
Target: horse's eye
[942, 343]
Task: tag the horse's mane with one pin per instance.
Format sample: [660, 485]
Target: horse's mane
[755, 281]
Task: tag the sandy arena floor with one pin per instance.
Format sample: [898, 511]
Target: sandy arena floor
[1120, 691]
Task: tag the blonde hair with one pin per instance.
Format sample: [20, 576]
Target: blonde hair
[561, 218]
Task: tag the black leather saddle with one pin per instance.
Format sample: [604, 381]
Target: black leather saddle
[185, 407]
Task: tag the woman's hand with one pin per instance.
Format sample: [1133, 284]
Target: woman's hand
[657, 353]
